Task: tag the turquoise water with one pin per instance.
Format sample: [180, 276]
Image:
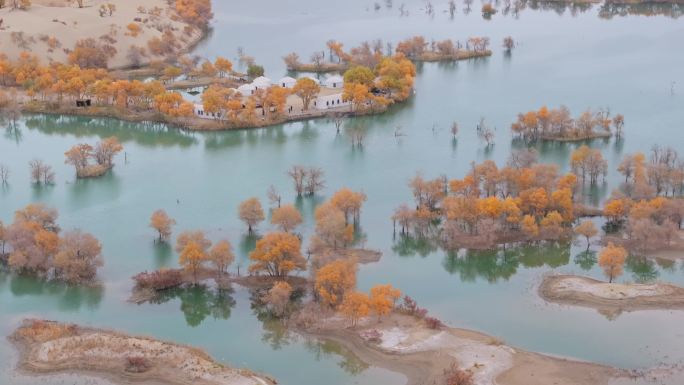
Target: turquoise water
[630, 64]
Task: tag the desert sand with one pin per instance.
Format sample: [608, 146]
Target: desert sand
[30, 30]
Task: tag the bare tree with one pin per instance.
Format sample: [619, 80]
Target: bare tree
[298, 173]
[314, 180]
[485, 133]
[508, 43]
[454, 129]
[317, 59]
[4, 173]
[41, 172]
[337, 119]
[273, 197]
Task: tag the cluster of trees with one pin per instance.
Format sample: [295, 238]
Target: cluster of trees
[41, 172]
[91, 53]
[33, 244]
[103, 154]
[491, 205]
[195, 251]
[195, 12]
[644, 224]
[335, 288]
[336, 220]
[367, 54]
[662, 174]
[305, 180]
[191, 68]
[365, 64]
[558, 124]
[588, 163]
[419, 49]
[229, 105]
[55, 81]
[390, 81]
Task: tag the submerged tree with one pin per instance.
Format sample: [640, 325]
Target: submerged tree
[192, 257]
[287, 218]
[161, 222]
[251, 213]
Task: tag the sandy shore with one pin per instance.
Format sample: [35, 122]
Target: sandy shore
[422, 355]
[610, 298]
[66, 24]
[51, 348]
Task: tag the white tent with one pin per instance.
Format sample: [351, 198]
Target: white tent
[334, 81]
[287, 82]
[246, 89]
[261, 82]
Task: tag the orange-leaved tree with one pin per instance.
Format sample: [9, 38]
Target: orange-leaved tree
[612, 260]
[286, 217]
[277, 254]
[251, 212]
[355, 306]
[334, 280]
[221, 256]
[161, 222]
[383, 298]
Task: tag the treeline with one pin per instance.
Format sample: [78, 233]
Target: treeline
[558, 124]
[647, 211]
[643, 225]
[60, 86]
[417, 48]
[55, 82]
[370, 54]
[34, 244]
[519, 202]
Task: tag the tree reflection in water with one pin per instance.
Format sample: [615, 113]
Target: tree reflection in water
[198, 302]
[349, 362]
[67, 297]
[493, 265]
[586, 259]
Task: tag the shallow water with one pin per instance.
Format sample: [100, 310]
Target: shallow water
[628, 64]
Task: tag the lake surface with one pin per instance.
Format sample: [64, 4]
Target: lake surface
[632, 64]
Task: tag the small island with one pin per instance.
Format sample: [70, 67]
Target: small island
[48, 347]
[607, 296]
[426, 351]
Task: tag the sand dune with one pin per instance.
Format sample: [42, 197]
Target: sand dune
[30, 30]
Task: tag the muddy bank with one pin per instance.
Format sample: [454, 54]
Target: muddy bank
[406, 345]
[47, 347]
[610, 298]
